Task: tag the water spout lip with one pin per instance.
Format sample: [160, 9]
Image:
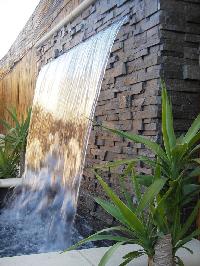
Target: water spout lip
[76, 12]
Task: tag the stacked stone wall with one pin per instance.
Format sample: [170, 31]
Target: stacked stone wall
[180, 35]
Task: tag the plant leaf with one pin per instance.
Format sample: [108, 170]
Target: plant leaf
[111, 209]
[131, 255]
[109, 253]
[179, 261]
[189, 222]
[167, 122]
[190, 188]
[193, 130]
[94, 237]
[195, 172]
[187, 239]
[188, 249]
[145, 180]
[130, 216]
[150, 194]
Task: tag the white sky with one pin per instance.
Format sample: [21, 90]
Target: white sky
[13, 16]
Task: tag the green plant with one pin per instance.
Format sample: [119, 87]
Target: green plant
[14, 142]
[16, 136]
[136, 221]
[175, 163]
[8, 164]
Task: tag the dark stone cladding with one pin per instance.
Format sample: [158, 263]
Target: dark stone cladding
[180, 35]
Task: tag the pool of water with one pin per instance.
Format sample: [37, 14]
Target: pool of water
[29, 232]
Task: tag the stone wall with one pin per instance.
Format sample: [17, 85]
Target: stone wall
[180, 35]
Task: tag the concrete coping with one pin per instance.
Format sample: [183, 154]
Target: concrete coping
[10, 182]
[92, 257]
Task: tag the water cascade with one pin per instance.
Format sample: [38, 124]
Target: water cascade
[66, 93]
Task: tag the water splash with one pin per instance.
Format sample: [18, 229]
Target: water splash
[66, 93]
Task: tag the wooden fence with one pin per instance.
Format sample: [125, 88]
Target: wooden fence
[17, 87]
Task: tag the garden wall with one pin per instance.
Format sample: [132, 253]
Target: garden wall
[160, 38]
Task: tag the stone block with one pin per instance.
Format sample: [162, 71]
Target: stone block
[112, 117]
[124, 100]
[100, 142]
[151, 6]
[140, 53]
[137, 124]
[149, 112]
[125, 125]
[106, 95]
[135, 65]
[125, 115]
[119, 69]
[191, 72]
[192, 38]
[129, 151]
[109, 16]
[116, 149]
[191, 52]
[136, 88]
[117, 46]
[153, 32]
[121, 2]
[111, 156]
[109, 143]
[105, 7]
[138, 102]
[151, 126]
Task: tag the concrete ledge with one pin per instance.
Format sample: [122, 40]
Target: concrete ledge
[10, 182]
[91, 257]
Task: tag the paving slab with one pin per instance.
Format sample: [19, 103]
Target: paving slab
[91, 257]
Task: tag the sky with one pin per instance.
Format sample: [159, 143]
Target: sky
[13, 16]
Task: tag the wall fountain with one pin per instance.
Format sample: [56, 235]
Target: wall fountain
[41, 212]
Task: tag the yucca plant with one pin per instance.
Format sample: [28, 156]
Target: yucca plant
[16, 136]
[176, 166]
[136, 221]
[175, 162]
